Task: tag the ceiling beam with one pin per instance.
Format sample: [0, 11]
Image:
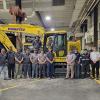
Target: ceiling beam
[40, 18]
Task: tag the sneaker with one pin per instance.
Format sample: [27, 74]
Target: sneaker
[49, 78]
[9, 78]
[66, 78]
[92, 77]
[5, 78]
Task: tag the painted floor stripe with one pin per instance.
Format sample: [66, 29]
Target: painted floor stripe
[15, 86]
[5, 89]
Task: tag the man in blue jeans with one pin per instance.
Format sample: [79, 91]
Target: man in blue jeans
[3, 67]
[27, 64]
[42, 64]
[50, 66]
[34, 61]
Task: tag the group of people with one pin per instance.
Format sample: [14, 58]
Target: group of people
[41, 65]
[26, 65]
[84, 64]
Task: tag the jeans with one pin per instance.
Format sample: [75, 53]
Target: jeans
[85, 70]
[34, 70]
[77, 70]
[41, 70]
[3, 71]
[11, 70]
[50, 70]
[95, 66]
[27, 70]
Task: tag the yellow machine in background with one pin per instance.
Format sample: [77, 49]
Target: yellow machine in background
[74, 45]
[6, 41]
[60, 45]
[18, 28]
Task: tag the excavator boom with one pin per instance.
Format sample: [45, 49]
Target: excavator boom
[18, 28]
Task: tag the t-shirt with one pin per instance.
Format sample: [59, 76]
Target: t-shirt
[71, 58]
[50, 56]
[19, 56]
[11, 57]
[26, 58]
[95, 56]
[37, 44]
[34, 58]
[42, 57]
[3, 59]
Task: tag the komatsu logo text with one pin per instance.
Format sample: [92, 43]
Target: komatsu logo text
[16, 29]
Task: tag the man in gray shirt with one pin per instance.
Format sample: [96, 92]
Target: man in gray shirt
[42, 63]
[3, 67]
[34, 61]
[18, 59]
[26, 63]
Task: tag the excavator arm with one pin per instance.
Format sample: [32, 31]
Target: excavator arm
[18, 28]
[6, 41]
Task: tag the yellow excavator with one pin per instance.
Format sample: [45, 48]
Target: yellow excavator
[61, 46]
[18, 28]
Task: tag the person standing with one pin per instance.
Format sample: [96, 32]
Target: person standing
[95, 58]
[3, 66]
[26, 63]
[18, 59]
[77, 64]
[34, 61]
[85, 64]
[37, 43]
[50, 66]
[42, 64]
[11, 63]
[70, 59]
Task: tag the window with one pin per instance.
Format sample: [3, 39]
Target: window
[59, 41]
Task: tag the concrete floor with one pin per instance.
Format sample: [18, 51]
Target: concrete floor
[55, 89]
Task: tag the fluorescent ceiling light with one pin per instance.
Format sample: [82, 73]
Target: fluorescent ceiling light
[47, 18]
[25, 19]
[52, 29]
